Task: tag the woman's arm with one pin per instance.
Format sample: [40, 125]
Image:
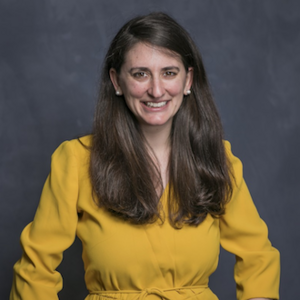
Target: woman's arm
[52, 231]
[245, 234]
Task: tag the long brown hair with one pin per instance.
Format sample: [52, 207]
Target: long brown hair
[122, 172]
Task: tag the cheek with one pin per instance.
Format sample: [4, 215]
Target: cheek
[135, 90]
[175, 88]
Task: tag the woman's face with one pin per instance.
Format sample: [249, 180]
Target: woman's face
[153, 82]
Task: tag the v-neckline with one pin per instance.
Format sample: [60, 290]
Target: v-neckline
[165, 190]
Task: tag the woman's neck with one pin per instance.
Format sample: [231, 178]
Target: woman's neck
[158, 138]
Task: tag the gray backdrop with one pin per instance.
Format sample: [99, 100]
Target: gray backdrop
[50, 59]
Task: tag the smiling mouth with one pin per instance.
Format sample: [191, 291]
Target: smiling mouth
[156, 104]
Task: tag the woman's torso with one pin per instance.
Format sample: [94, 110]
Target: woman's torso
[119, 256]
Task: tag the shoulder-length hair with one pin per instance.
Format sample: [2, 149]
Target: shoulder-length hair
[122, 173]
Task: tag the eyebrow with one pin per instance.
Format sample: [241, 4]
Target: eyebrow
[147, 69]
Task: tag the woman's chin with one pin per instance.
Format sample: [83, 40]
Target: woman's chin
[159, 123]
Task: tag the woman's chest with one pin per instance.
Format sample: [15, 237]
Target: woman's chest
[116, 249]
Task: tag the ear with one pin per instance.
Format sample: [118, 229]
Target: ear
[189, 79]
[115, 81]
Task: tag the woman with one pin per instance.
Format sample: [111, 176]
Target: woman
[154, 190]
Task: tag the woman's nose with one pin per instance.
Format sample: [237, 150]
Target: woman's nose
[156, 88]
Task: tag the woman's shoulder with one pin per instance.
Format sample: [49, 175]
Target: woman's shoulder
[227, 146]
[234, 162]
[79, 147]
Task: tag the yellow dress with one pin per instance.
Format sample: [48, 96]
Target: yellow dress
[125, 261]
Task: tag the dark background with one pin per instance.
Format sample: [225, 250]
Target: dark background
[50, 59]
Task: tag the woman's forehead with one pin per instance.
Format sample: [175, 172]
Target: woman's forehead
[147, 53]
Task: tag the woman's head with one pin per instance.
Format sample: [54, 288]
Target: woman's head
[162, 32]
[153, 82]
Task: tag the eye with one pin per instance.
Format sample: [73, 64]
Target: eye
[170, 74]
[140, 75]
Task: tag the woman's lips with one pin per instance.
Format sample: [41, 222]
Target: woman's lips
[155, 104]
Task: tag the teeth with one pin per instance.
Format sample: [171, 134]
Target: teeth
[156, 104]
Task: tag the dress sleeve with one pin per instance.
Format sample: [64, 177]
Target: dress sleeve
[51, 232]
[245, 234]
